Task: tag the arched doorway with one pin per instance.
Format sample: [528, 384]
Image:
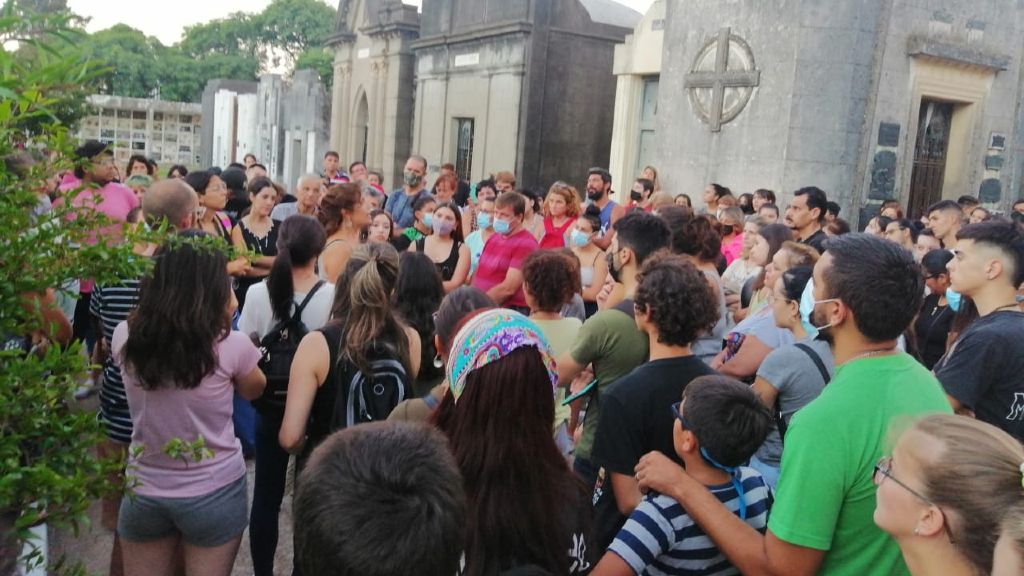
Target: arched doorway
[361, 128]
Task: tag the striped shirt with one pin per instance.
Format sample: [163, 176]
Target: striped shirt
[660, 538]
[111, 305]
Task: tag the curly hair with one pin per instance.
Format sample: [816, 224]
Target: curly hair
[547, 277]
[698, 238]
[567, 193]
[339, 199]
[181, 316]
[677, 299]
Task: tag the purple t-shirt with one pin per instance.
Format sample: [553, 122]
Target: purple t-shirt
[159, 416]
[501, 253]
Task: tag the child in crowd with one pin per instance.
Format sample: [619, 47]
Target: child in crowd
[719, 425]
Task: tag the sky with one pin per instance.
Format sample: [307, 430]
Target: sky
[166, 21]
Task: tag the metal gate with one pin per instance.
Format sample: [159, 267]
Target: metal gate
[930, 156]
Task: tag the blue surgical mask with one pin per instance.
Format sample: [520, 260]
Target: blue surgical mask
[502, 226]
[483, 220]
[579, 238]
[953, 299]
[428, 220]
[807, 304]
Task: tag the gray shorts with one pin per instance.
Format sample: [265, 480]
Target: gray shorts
[205, 521]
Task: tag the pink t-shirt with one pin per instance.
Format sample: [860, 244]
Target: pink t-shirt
[501, 253]
[733, 249]
[113, 199]
[159, 416]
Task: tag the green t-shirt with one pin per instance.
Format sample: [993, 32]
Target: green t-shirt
[611, 342]
[561, 335]
[826, 496]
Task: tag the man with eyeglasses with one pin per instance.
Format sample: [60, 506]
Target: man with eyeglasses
[822, 520]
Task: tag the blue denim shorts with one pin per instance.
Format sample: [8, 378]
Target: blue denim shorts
[205, 521]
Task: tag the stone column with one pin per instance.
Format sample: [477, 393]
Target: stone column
[341, 109]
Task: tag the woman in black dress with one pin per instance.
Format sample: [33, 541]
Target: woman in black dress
[256, 232]
[936, 317]
[445, 247]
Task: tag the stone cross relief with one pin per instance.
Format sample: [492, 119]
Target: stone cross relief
[743, 76]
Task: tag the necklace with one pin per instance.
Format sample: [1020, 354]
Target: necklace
[871, 353]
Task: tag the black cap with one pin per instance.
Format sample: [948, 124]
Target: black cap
[91, 149]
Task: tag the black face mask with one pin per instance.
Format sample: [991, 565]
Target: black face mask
[635, 196]
[595, 194]
[616, 274]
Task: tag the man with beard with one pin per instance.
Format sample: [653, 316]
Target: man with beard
[599, 187]
[610, 339]
[861, 313]
[401, 201]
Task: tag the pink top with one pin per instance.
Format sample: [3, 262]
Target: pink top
[501, 253]
[733, 249]
[159, 416]
[554, 236]
[113, 199]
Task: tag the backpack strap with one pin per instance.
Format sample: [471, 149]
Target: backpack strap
[780, 421]
[817, 361]
[295, 317]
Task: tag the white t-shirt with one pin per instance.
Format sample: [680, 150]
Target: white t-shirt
[258, 317]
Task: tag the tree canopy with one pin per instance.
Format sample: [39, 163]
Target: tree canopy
[287, 34]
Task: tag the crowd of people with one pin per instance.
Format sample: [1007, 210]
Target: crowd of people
[478, 379]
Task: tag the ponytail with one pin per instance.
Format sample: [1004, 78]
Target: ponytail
[300, 240]
[370, 320]
[280, 285]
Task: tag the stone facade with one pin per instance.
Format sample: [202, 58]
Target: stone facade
[637, 68]
[284, 123]
[517, 85]
[833, 94]
[372, 99]
[167, 132]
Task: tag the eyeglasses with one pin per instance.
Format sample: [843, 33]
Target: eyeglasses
[676, 411]
[883, 470]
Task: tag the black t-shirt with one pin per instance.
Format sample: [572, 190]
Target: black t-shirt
[817, 241]
[932, 329]
[636, 418]
[984, 370]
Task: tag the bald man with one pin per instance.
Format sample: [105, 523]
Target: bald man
[308, 191]
[172, 201]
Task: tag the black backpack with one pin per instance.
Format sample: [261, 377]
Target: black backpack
[369, 397]
[277, 349]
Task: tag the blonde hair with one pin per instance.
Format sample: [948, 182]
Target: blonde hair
[976, 476]
[800, 254]
[655, 181]
[506, 177]
[661, 199]
[371, 321]
[567, 193]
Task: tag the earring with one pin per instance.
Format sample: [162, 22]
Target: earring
[438, 362]
[917, 531]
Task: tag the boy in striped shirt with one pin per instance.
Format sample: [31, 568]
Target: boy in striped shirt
[719, 425]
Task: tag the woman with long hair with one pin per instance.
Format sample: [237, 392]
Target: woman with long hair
[213, 197]
[292, 280]
[364, 327]
[593, 264]
[561, 209]
[182, 364]
[526, 508]
[766, 243]
[417, 297]
[381, 227]
[445, 247]
[455, 306]
[944, 492]
[344, 216]
[256, 232]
